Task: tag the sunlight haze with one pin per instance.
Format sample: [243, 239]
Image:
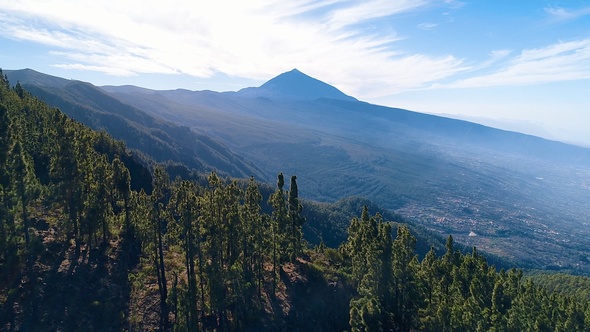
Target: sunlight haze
[521, 65]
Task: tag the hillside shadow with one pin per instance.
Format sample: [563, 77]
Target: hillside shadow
[316, 304]
[87, 291]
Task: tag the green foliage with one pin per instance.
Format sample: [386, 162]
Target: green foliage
[187, 256]
[296, 221]
[55, 187]
[157, 139]
[453, 292]
[565, 284]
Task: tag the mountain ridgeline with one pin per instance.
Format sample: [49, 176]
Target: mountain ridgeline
[294, 85]
[81, 248]
[507, 193]
[159, 139]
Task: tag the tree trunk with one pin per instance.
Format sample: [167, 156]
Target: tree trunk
[163, 283]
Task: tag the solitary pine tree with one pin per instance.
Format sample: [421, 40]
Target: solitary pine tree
[278, 226]
[296, 221]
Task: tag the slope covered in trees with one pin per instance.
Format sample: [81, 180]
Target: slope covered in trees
[455, 292]
[82, 248]
[156, 138]
[64, 195]
[520, 195]
[567, 284]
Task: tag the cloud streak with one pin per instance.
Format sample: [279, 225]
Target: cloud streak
[367, 10]
[332, 40]
[564, 61]
[560, 14]
[255, 39]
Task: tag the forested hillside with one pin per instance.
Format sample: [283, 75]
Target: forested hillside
[567, 284]
[91, 240]
[518, 197]
[159, 139]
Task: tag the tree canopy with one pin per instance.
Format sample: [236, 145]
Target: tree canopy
[124, 246]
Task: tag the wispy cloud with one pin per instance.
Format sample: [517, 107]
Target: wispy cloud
[562, 61]
[560, 14]
[114, 71]
[366, 10]
[258, 39]
[427, 26]
[254, 39]
[495, 56]
[499, 54]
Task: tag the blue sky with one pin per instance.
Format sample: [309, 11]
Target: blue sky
[521, 65]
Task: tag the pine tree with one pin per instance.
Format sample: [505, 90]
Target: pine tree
[122, 184]
[160, 197]
[215, 247]
[278, 226]
[186, 212]
[370, 248]
[296, 221]
[406, 293]
[365, 315]
[253, 235]
[25, 183]
[65, 171]
[97, 210]
[8, 242]
[360, 244]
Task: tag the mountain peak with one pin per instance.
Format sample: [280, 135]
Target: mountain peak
[30, 76]
[294, 71]
[295, 85]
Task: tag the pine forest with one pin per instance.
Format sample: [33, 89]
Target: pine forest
[94, 237]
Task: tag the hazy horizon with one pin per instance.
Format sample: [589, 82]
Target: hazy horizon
[520, 61]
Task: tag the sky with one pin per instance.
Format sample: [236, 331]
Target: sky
[518, 65]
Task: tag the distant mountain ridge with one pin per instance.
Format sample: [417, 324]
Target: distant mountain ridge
[517, 193]
[295, 85]
[32, 77]
[452, 176]
[155, 137]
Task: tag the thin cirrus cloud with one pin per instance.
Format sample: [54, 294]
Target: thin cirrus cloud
[560, 14]
[564, 61]
[260, 38]
[244, 39]
[427, 26]
[368, 10]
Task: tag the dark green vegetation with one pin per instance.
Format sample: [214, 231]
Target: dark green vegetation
[159, 139]
[455, 292]
[81, 248]
[517, 196]
[567, 284]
